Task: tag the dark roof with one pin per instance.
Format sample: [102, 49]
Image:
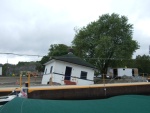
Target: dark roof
[71, 58]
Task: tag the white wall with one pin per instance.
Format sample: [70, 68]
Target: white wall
[124, 71]
[76, 69]
[84, 82]
[59, 67]
[46, 79]
[121, 71]
[48, 67]
[47, 74]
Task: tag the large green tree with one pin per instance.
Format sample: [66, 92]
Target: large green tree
[104, 40]
[54, 50]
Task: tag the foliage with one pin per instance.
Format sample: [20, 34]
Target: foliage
[21, 63]
[54, 50]
[4, 69]
[58, 50]
[40, 67]
[14, 70]
[7, 69]
[122, 63]
[26, 63]
[102, 41]
[143, 63]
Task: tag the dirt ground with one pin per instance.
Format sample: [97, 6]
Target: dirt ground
[15, 81]
[123, 79]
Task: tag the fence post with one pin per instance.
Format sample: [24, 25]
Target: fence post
[20, 80]
[103, 79]
[51, 81]
[29, 80]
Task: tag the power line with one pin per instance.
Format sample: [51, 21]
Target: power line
[72, 57]
[21, 54]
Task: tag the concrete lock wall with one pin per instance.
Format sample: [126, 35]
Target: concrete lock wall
[90, 93]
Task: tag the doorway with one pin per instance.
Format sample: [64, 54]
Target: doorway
[115, 71]
[68, 73]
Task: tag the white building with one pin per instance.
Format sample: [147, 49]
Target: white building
[68, 69]
[118, 72]
[0, 69]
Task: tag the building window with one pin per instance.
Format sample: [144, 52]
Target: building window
[45, 71]
[83, 75]
[51, 69]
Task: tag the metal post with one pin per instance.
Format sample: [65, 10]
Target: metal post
[29, 80]
[51, 81]
[20, 80]
[104, 84]
[143, 77]
[103, 79]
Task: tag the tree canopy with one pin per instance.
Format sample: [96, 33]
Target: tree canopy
[143, 63]
[104, 40]
[58, 50]
[54, 50]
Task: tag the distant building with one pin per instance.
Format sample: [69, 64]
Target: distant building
[68, 70]
[118, 72]
[0, 69]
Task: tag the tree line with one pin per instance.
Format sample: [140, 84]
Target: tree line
[142, 62]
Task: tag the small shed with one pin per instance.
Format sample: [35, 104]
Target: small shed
[118, 72]
[68, 70]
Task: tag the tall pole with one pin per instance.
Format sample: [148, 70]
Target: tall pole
[20, 80]
[29, 80]
[103, 79]
[104, 84]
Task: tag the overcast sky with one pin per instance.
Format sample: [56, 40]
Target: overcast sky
[31, 26]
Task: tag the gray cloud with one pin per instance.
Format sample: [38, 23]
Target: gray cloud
[31, 30]
[31, 26]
